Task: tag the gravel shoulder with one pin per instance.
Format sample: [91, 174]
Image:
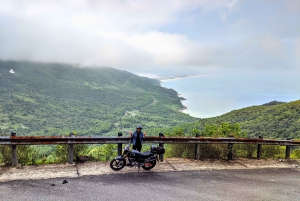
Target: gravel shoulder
[169, 165]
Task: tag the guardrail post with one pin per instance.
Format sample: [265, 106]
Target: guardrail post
[230, 151]
[288, 150]
[71, 149]
[14, 158]
[197, 149]
[161, 156]
[259, 148]
[119, 145]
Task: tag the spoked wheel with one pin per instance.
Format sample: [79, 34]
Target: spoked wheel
[117, 164]
[149, 165]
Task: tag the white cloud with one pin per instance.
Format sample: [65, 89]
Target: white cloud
[129, 34]
[297, 54]
[114, 33]
[272, 46]
[109, 14]
[291, 7]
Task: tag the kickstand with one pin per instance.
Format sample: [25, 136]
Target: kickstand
[139, 168]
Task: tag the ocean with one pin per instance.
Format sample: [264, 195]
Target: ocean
[215, 94]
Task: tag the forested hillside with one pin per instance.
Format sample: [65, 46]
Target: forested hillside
[271, 120]
[54, 99]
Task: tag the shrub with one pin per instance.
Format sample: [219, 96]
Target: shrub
[271, 151]
[62, 152]
[295, 153]
[26, 155]
[103, 152]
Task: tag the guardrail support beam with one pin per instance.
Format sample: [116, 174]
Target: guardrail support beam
[161, 156]
[119, 145]
[197, 150]
[230, 146]
[71, 150]
[259, 149]
[14, 158]
[288, 150]
[14, 161]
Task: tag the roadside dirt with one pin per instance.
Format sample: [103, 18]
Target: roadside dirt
[169, 164]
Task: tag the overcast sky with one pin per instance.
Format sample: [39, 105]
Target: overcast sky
[155, 36]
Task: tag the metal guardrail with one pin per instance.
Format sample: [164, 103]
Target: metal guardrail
[14, 140]
[42, 140]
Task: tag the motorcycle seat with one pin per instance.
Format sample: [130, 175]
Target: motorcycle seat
[146, 154]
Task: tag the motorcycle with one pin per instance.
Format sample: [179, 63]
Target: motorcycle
[133, 158]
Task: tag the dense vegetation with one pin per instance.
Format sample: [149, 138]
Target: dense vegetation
[54, 99]
[220, 151]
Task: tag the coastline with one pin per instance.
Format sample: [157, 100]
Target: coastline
[184, 108]
[164, 82]
[162, 79]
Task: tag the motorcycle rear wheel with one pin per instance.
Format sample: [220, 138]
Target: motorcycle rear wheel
[117, 164]
[149, 167]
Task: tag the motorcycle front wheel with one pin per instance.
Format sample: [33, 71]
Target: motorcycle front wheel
[149, 165]
[117, 164]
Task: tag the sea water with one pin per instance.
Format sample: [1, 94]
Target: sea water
[213, 95]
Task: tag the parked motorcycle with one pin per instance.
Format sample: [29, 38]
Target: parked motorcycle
[133, 158]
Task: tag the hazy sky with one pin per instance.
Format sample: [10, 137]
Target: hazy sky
[156, 36]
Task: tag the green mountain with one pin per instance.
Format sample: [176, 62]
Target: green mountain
[54, 99]
[271, 120]
[268, 120]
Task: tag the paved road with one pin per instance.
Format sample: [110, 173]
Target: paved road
[254, 184]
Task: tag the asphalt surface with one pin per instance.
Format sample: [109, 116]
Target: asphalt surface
[246, 184]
